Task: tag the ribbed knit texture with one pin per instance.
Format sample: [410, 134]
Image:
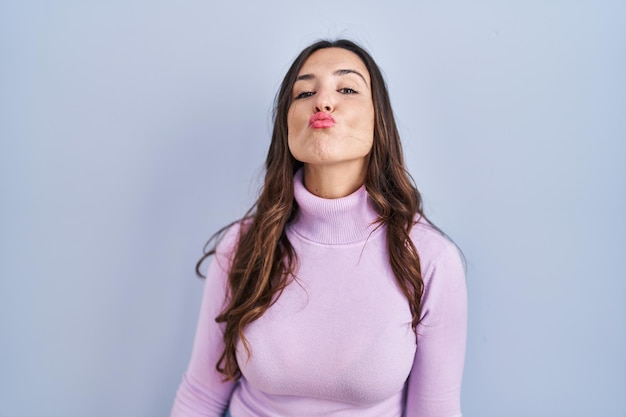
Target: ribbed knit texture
[333, 221]
[338, 342]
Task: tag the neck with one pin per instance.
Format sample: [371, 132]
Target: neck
[336, 221]
[333, 181]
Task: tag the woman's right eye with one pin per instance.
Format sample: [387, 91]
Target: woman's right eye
[304, 94]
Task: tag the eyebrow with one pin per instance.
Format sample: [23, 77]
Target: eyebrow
[339, 72]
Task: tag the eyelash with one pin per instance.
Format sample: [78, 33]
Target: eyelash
[307, 94]
[348, 90]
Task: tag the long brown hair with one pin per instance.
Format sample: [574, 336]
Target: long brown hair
[264, 260]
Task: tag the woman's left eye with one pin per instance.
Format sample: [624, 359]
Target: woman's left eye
[347, 90]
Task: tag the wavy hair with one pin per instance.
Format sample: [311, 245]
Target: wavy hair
[264, 261]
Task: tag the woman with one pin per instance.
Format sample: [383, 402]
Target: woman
[334, 296]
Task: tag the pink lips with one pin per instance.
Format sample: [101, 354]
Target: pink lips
[321, 120]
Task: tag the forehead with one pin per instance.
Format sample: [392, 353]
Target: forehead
[329, 60]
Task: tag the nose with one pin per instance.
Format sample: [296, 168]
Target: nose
[326, 108]
[324, 102]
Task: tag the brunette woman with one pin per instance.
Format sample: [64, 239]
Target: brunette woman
[334, 296]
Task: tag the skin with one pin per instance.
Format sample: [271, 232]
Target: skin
[334, 81]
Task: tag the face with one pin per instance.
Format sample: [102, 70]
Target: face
[331, 118]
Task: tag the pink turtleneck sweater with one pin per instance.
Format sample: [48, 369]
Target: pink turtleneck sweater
[338, 342]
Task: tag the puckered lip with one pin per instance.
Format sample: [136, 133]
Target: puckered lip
[321, 120]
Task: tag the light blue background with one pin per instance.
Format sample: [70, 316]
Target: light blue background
[132, 130]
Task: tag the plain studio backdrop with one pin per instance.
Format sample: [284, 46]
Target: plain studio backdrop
[132, 130]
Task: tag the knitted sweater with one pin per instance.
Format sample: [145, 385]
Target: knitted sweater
[338, 341]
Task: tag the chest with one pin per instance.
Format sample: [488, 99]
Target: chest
[340, 330]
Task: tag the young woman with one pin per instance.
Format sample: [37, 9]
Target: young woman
[334, 296]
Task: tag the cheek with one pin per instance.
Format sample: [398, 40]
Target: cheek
[368, 132]
[364, 115]
[366, 126]
[372, 123]
[372, 117]
[293, 122]
[291, 131]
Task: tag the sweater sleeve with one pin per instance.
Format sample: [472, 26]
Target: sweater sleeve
[202, 392]
[434, 385]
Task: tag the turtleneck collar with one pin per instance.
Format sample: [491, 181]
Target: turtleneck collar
[336, 221]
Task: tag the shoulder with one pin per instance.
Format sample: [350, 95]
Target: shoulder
[445, 289]
[228, 241]
[433, 246]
